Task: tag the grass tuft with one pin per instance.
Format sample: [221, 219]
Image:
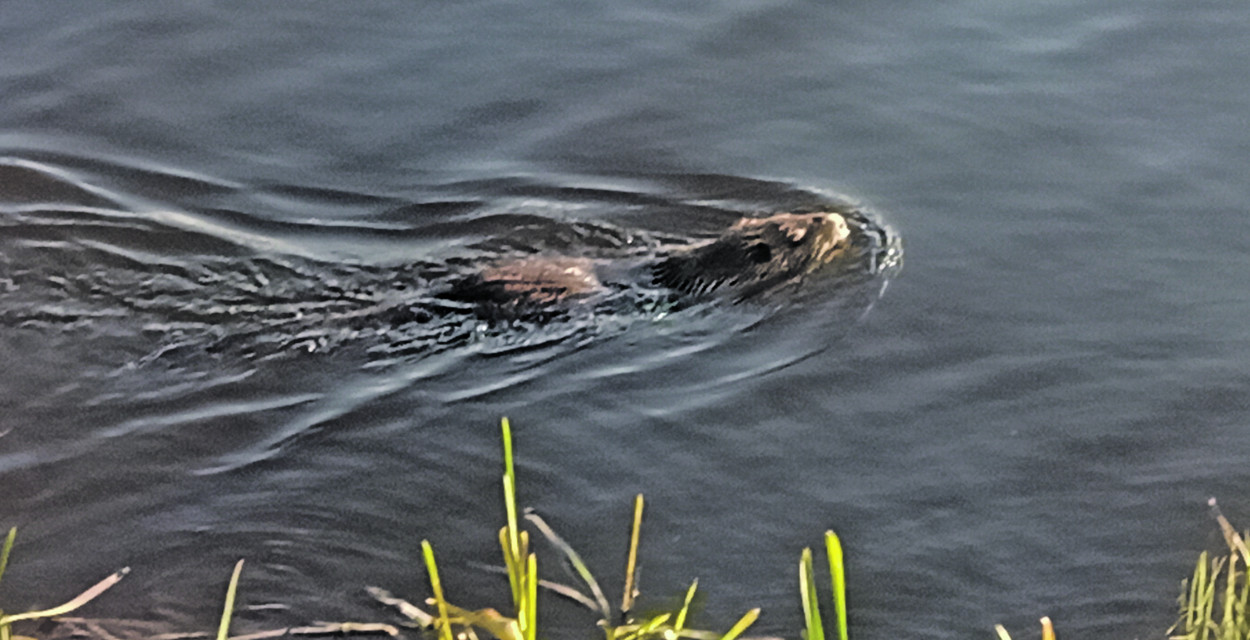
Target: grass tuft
[521, 567]
[813, 627]
[1213, 602]
[92, 628]
[7, 620]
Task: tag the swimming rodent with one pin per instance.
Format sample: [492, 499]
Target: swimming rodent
[752, 256]
[578, 277]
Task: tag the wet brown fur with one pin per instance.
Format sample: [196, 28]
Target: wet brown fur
[754, 253]
[762, 251]
[544, 279]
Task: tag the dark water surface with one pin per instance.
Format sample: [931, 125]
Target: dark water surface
[211, 213]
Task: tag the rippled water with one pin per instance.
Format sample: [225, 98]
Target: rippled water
[210, 213]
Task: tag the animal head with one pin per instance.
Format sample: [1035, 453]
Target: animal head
[757, 253]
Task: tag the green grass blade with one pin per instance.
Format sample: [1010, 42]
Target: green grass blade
[643, 629]
[837, 575]
[745, 621]
[444, 623]
[807, 592]
[1227, 621]
[1206, 599]
[1192, 603]
[4, 564]
[508, 468]
[509, 489]
[531, 598]
[631, 565]
[8, 548]
[649, 626]
[685, 607]
[223, 630]
[514, 559]
[1242, 602]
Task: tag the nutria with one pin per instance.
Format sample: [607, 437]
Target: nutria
[751, 256]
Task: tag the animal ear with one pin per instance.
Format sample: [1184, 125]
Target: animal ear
[759, 253]
[795, 229]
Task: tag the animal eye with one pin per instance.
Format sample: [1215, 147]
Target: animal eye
[759, 253]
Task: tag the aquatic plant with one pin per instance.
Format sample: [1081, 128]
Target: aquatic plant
[1048, 630]
[223, 629]
[7, 620]
[814, 627]
[1200, 619]
[1213, 601]
[521, 567]
[87, 627]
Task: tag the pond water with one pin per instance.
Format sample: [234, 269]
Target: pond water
[210, 213]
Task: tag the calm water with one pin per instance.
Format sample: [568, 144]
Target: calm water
[1027, 423]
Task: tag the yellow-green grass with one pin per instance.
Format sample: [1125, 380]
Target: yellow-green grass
[1214, 604]
[814, 628]
[521, 566]
[7, 620]
[82, 627]
[1213, 601]
[223, 629]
